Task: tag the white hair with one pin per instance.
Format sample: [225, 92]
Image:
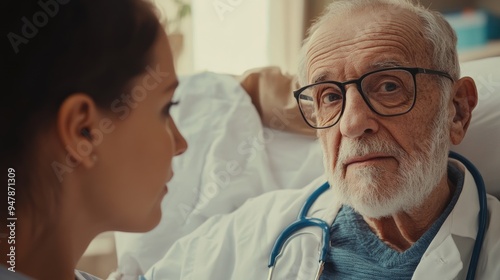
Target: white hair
[441, 38]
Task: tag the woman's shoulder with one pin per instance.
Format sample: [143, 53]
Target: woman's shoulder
[80, 275]
[11, 275]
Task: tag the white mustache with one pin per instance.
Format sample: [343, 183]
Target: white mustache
[359, 148]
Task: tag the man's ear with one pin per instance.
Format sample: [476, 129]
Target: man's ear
[464, 101]
[76, 117]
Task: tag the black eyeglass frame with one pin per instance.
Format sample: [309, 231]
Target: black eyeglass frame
[412, 70]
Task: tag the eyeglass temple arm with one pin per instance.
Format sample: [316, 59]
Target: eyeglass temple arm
[305, 97]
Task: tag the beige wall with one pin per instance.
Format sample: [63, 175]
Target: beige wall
[491, 5]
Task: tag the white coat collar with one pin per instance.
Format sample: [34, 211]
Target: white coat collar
[462, 221]
[442, 259]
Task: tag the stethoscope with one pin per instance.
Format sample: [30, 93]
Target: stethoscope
[303, 221]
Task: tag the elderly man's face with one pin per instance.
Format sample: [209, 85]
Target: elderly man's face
[380, 165]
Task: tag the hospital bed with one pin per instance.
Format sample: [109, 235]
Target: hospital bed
[232, 156]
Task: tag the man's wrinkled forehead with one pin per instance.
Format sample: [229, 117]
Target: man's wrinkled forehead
[369, 19]
[372, 29]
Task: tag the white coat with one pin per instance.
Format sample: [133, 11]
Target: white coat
[237, 246]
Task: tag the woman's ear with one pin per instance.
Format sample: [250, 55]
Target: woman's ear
[464, 101]
[76, 117]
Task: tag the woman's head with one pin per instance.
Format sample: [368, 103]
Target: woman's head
[86, 112]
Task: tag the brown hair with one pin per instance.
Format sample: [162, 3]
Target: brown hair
[58, 48]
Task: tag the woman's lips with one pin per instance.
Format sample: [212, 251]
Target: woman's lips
[168, 180]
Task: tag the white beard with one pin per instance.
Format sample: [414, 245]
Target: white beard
[415, 179]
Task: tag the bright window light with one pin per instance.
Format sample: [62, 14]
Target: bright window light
[230, 36]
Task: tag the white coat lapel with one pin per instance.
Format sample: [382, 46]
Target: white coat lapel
[443, 259]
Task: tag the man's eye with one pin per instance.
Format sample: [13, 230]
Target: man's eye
[390, 86]
[331, 97]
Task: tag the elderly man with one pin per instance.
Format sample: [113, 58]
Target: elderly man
[380, 83]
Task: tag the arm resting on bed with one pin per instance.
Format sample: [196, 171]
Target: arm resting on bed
[271, 93]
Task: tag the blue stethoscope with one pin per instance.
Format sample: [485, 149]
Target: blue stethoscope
[303, 221]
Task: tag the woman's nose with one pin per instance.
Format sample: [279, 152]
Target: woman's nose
[180, 142]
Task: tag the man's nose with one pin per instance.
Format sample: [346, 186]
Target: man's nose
[358, 119]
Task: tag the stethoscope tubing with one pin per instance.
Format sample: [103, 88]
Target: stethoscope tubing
[483, 213]
[302, 222]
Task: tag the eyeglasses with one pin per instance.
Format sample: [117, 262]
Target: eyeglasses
[387, 92]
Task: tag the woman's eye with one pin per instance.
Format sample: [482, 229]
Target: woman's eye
[166, 109]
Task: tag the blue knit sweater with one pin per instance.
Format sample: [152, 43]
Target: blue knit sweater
[357, 253]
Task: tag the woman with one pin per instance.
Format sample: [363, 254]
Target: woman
[89, 136]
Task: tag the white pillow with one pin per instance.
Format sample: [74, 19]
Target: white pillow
[481, 144]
